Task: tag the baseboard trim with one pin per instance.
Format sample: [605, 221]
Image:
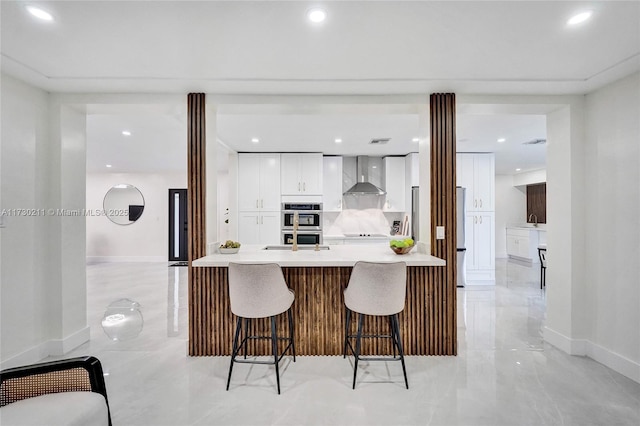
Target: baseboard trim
[584, 347]
[62, 346]
[614, 361]
[116, 259]
[53, 347]
[30, 356]
[565, 343]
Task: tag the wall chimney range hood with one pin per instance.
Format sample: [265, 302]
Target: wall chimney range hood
[363, 186]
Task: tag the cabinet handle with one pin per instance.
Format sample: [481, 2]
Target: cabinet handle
[480, 202]
[304, 186]
[261, 203]
[480, 217]
[475, 219]
[475, 203]
[261, 220]
[257, 223]
[298, 186]
[257, 203]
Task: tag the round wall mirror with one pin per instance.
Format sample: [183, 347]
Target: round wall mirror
[123, 204]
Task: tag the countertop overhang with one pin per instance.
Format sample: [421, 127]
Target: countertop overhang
[337, 255]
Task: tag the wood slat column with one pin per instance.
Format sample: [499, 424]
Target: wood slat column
[200, 294]
[443, 211]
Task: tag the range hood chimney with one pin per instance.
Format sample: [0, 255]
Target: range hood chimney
[363, 186]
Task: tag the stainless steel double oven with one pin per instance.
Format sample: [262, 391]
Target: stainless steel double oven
[309, 222]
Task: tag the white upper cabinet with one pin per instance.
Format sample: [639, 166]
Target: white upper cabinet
[476, 172]
[395, 184]
[332, 184]
[301, 174]
[412, 169]
[258, 182]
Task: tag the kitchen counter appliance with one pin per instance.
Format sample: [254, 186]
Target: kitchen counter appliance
[309, 223]
[309, 216]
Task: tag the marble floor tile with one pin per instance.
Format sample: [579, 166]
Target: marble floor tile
[504, 374]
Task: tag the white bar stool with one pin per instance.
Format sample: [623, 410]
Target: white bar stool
[378, 289]
[259, 291]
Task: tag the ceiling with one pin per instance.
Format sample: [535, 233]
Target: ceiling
[269, 48]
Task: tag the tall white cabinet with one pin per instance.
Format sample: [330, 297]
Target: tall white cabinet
[259, 198]
[395, 184]
[476, 173]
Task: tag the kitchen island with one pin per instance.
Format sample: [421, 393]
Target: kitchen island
[318, 279]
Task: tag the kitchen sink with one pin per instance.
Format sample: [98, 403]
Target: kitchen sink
[300, 247]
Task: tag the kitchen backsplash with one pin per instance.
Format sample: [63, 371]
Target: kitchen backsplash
[366, 221]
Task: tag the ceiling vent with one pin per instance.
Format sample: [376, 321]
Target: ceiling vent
[535, 142]
[379, 141]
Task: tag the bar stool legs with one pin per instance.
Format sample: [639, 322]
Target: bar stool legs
[293, 344]
[274, 345]
[346, 333]
[357, 353]
[394, 329]
[398, 344]
[241, 345]
[234, 351]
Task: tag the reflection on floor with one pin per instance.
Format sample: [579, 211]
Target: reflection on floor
[504, 374]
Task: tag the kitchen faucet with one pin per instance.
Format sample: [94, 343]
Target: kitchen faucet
[536, 219]
[296, 224]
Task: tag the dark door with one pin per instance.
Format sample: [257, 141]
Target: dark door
[178, 225]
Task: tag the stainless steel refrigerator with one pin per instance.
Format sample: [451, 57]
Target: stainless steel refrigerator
[460, 244]
[415, 212]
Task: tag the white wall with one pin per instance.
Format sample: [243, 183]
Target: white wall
[42, 287]
[511, 208]
[145, 240]
[612, 224]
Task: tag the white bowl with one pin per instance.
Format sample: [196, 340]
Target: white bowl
[229, 250]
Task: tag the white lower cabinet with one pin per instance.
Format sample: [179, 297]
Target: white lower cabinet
[259, 227]
[522, 244]
[480, 244]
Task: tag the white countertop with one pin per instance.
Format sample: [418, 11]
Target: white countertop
[337, 255]
[529, 226]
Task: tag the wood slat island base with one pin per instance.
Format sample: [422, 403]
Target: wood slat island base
[428, 322]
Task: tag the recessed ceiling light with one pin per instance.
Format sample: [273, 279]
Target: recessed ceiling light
[338, 140]
[415, 140]
[255, 140]
[580, 17]
[501, 140]
[517, 170]
[126, 133]
[39, 13]
[108, 165]
[317, 15]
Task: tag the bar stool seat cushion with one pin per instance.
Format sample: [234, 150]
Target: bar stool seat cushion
[377, 288]
[258, 292]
